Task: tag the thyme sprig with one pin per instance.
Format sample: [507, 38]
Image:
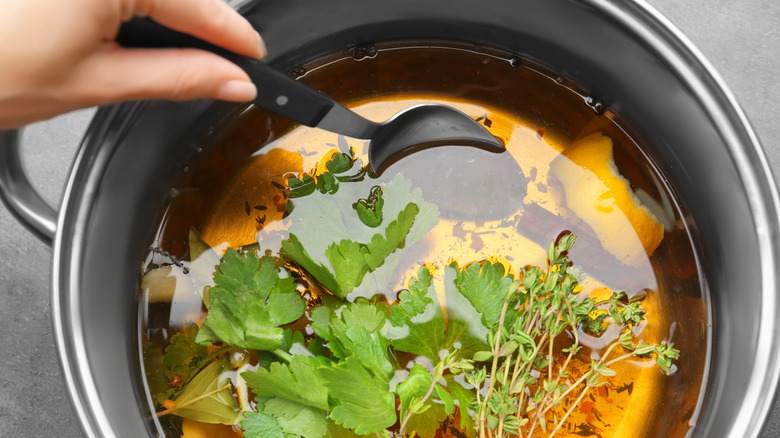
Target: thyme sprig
[520, 378]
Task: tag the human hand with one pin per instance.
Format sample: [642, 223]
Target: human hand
[58, 56]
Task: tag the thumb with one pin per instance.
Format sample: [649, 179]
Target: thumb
[118, 74]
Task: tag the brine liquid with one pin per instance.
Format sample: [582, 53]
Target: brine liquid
[509, 205]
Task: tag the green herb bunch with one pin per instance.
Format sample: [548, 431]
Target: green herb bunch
[473, 350]
[328, 180]
[347, 372]
[524, 382]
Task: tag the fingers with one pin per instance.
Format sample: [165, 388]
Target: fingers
[74, 66]
[210, 20]
[117, 74]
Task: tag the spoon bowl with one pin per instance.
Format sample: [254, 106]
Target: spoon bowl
[424, 126]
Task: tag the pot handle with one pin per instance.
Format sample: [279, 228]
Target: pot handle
[24, 202]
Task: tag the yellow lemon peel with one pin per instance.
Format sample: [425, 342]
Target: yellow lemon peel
[601, 197]
[322, 165]
[196, 429]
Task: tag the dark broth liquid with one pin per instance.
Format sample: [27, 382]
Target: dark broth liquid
[509, 205]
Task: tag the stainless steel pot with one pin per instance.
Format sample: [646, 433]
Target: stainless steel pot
[623, 52]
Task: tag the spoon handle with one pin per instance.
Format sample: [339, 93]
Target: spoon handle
[276, 91]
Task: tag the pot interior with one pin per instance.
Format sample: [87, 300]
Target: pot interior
[610, 80]
[474, 206]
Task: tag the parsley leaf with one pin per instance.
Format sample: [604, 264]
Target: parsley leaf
[325, 182]
[336, 431]
[352, 260]
[260, 425]
[395, 237]
[419, 326]
[425, 423]
[183, 351]
[296, 382]
[486, 286]
[334, 223]
[369, 348]
[249, 303]
[363, 313]
[356, 333]
[349, 264]
[369, 210]
[299, 398]
[320, 318]
[293, 250]
[302, 187]
[294, 418]
[361, 403]
[340, 163]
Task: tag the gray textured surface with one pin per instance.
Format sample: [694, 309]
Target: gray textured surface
[741, 38]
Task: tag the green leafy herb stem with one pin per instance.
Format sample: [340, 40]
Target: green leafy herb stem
[337, 371]
[520, 360]
[328, 181]
[351, 260]
[369, 210]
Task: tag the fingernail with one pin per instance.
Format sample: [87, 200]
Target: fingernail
[262, 49]
[237, 91]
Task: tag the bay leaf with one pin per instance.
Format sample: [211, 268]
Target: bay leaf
[208, 397]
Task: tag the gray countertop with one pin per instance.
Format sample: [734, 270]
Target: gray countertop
[740, 37]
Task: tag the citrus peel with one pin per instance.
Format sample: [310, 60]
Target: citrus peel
[601, 197]
[196, 429]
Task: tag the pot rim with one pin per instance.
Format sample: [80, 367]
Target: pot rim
[753, 167]
[642, 20]
[66, 314]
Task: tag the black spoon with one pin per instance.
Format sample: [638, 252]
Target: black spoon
[417, 127]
